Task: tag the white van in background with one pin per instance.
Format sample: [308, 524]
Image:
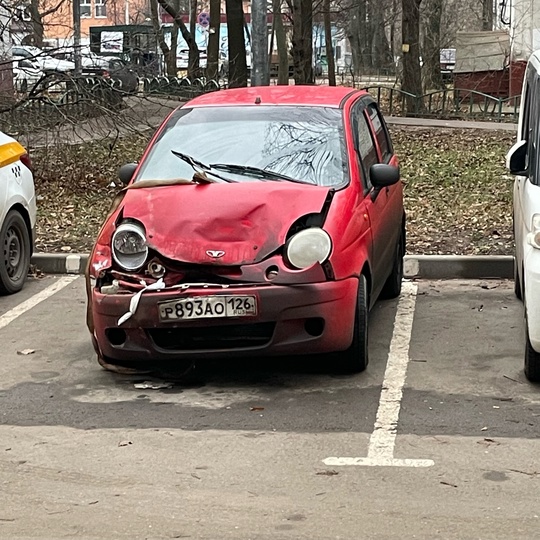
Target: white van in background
[523, 161]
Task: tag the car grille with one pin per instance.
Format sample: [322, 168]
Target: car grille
[236, 336]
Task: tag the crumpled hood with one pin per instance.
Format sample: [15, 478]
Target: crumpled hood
[247, 221]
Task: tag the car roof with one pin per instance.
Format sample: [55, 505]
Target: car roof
[315, 96]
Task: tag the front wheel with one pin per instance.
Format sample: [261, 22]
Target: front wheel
[355, 359]
[15, 253]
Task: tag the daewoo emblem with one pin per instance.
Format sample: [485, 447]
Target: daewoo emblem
[215, 254]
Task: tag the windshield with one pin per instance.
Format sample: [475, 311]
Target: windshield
[303, 143]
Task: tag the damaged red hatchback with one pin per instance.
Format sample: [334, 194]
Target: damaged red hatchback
[260, 221]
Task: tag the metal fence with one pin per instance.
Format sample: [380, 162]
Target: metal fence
[449, 103]
[74, 99]
[61, 100]
[182, 88]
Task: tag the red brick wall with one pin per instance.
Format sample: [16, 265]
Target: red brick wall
[493, 83]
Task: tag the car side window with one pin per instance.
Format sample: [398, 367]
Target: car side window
[381, 132]
[530, 129]
[365, 145]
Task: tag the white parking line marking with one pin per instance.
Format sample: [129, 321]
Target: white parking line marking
[33, 301]
[383, 439]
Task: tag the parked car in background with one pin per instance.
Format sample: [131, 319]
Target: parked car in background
[44, 61]
[117, 70]
[260, 221]
[17, 214]
[182, 59]
[26, 74]
[88, 58]
[524, 162]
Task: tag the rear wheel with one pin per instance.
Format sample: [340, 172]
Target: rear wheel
[14, 253]
[355, 359]
[392, 286]
[532, 359]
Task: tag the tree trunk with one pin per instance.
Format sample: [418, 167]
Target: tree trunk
[487, 15]
[281, 44]
[172, 67]
[158, 31]
[328, 43]
[193, 66]
[237, 45]
[37, 24]
[412, 74]
[380, 49]
[432, 45]
[213, 40]
[259, 43]
[302, 44]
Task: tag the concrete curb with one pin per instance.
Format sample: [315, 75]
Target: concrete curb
[416, 266]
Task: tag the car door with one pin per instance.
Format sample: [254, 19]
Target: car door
[382, 225]
[526, 188]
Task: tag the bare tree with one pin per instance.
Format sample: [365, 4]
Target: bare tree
[328, 44]
[487, 15]
[169, 53]
[37, 15]
[236, 44]
[213, 40]
[193, 62]
[412, 74]
[302, 40]
[432, 44]
[281, 43]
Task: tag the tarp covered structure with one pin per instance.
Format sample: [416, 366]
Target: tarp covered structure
[482, 51]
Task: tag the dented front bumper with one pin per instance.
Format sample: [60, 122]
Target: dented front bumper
[291, 319]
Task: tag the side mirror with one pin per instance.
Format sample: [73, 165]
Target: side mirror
[382, 175]
[126, 172]
[516, 159]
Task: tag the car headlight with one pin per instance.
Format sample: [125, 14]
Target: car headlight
[533, 238]
[307, 247]
[129, 246]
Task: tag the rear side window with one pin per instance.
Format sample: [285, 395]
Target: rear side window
[366, 147]
[381, 132]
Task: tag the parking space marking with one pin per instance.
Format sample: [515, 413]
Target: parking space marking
[383, 439]
[33, 301]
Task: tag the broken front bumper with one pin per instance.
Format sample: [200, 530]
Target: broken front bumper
[295, 319]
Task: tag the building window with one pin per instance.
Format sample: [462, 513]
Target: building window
[86, 8]
[101, 8]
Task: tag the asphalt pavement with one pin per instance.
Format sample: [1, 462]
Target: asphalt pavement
[437, 439]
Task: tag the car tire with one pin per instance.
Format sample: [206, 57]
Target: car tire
[517, 283]
[14, 253]
[392, 286]
[355, 359]
[532, 359]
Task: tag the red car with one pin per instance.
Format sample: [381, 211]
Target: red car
[260, 221]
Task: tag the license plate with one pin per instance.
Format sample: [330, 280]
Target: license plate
[208, 307]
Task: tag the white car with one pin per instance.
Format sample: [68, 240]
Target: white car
[42, 59]
[25, 74]
[182, 59]
[17, 214]
[523, 161]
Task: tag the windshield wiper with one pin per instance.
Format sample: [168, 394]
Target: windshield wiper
[199, 166]
[255, 171]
